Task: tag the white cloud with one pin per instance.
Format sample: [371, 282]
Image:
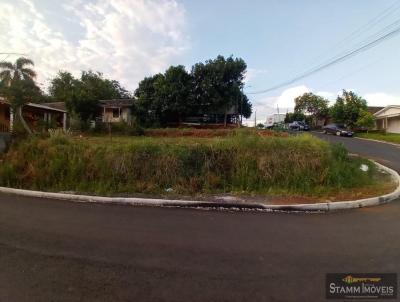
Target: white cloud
[253, 73]
[286, 99]
[381, 99]
[330, 96]
[124, 39]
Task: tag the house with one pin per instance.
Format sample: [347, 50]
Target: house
[117, 110]
[374, 109]
[388, 119]
[34, 114]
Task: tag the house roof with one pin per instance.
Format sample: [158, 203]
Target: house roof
[116, 103]
[56, 105]
[379, 113]
[374, 109]
[35, 105]
[41, 106]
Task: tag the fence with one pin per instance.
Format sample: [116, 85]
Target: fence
[4, 128]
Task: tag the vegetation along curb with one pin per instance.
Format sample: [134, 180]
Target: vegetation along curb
[319, 207]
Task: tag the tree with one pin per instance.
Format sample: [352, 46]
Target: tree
[210, 87]
[18, 82]
[82, 95]
[245, 107]
[365, 120]
[149, 104]
[63, 87]
[176, 91]
[313, 105]
[218, 83]
[294, 116]
[348, 108]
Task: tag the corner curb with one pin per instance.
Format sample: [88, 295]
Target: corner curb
[133, 201]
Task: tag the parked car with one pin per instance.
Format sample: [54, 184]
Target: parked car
[337, 130]
[299, 126]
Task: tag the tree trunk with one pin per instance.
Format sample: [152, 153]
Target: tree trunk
[23, 122]
[225, 118]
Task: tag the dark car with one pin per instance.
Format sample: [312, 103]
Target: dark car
[337, 130]
[299, 125]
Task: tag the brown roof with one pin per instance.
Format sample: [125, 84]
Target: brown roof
[118, 103]
[44, 106]
[373, 109]
[56, 105]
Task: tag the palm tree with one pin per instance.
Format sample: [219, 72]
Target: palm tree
[14, 76]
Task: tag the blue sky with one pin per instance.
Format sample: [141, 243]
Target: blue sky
[129, 39]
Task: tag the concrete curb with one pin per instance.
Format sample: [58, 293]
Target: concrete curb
[317, 207]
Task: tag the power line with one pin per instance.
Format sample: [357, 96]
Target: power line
[367, 26]
[12, 53]
[372, 37]
[333, 61]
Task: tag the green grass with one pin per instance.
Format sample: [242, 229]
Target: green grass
[242, 163]
[388, 137]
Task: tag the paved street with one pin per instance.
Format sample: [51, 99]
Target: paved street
[386, 154]
[61, 251]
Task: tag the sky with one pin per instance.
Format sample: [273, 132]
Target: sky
[127, 40]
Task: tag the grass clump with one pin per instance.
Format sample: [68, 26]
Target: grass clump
[244, 162]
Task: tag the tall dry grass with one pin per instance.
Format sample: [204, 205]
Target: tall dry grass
[243, 162]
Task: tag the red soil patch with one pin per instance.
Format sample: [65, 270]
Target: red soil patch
[206, 133]
[189, 133]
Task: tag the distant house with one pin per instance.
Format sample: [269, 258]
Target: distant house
[34, 114]
[373, 109]
[388, 119]
[118, 110]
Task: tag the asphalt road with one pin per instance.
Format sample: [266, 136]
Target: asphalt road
[386, 154]
[61, 251]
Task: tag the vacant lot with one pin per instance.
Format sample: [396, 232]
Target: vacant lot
[241, 162]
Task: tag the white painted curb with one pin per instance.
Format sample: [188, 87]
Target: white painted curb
[321, 207]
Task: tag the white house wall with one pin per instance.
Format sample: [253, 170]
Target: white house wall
[126, 115]
[393, 125]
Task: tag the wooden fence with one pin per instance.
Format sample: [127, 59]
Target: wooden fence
[4, 128]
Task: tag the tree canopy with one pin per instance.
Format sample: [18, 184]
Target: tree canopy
[18, 85]
[314, 105]
[365, 120]
[210, 87]
[82, 95]
[348, 108]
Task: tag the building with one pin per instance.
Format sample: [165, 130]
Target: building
[117, 110]
[36, 115]
[388, 119]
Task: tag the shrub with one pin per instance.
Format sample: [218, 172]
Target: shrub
[241, 162]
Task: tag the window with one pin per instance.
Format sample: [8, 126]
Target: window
[115, 112]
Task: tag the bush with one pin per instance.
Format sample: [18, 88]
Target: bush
[239, 163]
[120, 128]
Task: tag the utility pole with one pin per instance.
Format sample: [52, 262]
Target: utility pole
[255, 118]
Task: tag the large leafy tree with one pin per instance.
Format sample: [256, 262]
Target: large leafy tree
[218, 84]
[82, 95]
[164, 98]
[312, 105]
[18, 85]
[149, 105]
[176, 91]
[290, 117]
[348, 108]
[365, 120]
